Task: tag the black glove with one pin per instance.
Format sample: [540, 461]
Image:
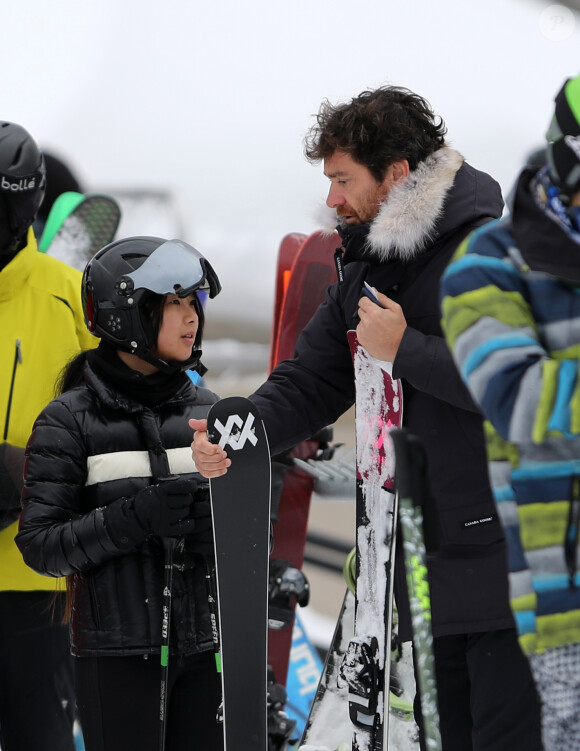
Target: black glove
[201, 510]
[163, 510]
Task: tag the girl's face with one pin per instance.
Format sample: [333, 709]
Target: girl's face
[179, 322]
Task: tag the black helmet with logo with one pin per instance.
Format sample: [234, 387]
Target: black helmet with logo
[123, 278]
[22, 184]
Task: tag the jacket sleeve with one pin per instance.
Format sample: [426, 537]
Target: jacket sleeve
[56, 536]
[489, 323]
[311, 391]
[11, 464]
[425, 361]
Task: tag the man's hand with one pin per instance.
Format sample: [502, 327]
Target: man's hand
[209, 458]
[381, 328]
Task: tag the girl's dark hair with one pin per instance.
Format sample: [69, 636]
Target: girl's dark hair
[71, 375]
[376, 129]
[153, 308]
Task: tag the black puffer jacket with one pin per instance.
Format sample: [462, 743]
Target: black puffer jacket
[91, 448]
[403, 255]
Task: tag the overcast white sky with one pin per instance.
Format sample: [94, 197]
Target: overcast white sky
[211, 100]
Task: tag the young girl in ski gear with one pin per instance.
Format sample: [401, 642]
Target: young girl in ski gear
[109, 478]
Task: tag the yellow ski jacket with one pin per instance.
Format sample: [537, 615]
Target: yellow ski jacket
[41, 328]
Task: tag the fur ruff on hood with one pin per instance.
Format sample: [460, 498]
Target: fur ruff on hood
[408, 216]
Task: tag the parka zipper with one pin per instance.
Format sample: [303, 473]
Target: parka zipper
[572, 528]
[17, 360]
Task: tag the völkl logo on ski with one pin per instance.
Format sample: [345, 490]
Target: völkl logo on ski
[236, 432]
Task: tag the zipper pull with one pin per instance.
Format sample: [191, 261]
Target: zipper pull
[17, 361]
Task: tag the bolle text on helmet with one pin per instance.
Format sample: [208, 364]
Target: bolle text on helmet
[20, 185]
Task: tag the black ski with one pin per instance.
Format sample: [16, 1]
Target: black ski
[240, 502]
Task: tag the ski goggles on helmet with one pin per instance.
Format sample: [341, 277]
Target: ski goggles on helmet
[174, 268]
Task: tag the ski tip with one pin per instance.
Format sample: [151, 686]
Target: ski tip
[64, 205]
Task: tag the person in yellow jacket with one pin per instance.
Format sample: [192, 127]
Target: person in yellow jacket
[41, 328]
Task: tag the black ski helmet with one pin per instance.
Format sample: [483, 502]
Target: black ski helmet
[22, 184]
[120, 281]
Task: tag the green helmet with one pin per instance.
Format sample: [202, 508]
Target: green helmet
[563, 138]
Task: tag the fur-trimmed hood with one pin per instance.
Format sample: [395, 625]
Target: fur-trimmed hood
[440, 195]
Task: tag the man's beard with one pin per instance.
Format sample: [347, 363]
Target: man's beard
[369, 208]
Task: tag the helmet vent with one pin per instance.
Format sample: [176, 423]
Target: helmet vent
[17, 156]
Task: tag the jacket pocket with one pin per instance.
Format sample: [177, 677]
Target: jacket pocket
[472, 525]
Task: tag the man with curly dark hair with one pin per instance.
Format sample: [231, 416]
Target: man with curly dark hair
[377, 128]
[404, 200]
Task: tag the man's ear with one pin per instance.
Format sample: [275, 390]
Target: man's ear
[399, 170]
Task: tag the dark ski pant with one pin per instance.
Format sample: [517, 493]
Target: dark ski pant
[118, 703]
[36, 673]
[487, 697]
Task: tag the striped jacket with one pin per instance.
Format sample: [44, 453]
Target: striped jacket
[511, 315]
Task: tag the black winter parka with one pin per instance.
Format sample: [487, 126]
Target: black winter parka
[442, 201]
[92, 448]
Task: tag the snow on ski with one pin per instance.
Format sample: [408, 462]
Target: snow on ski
[90, 226]
[328, 727]
[367, 664]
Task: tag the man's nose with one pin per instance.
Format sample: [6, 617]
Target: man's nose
[335, 197]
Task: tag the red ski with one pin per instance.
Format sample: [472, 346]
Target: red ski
[287, 253]
[305, 270]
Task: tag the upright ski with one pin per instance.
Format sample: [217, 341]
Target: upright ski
[287, 253]
[240, 502]
[90, 225]
[62, 207]
[366, 668]
[305, 271]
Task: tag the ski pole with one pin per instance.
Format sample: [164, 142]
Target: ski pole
[213, 611]
[169, 544]
[215, 626]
